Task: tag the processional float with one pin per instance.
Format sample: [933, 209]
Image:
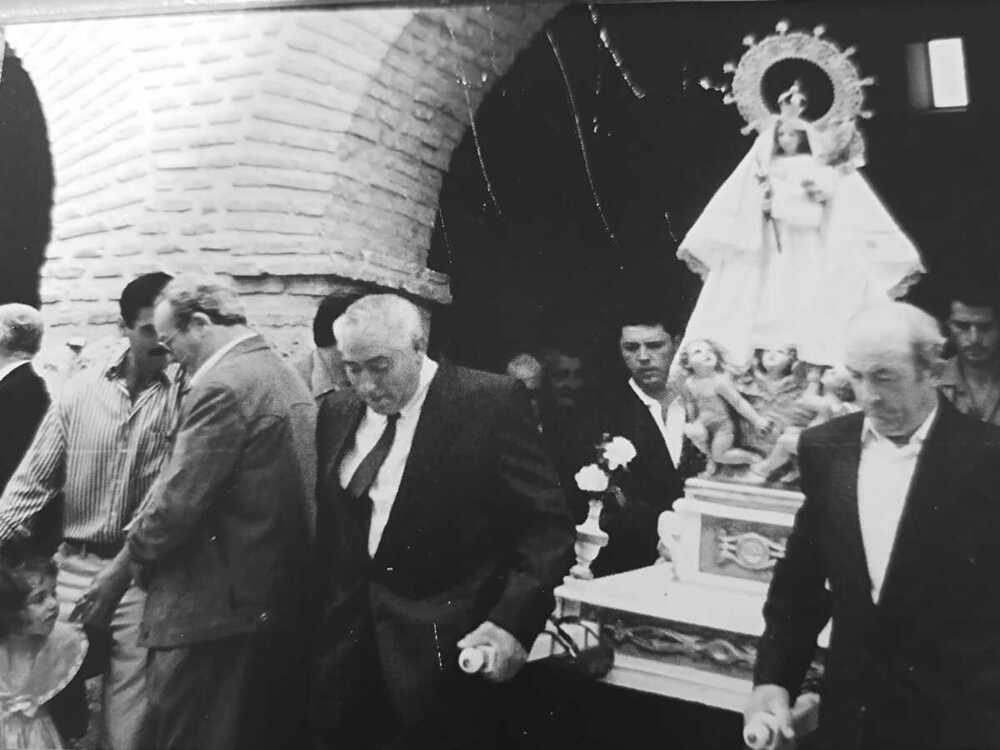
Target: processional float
[791, 245]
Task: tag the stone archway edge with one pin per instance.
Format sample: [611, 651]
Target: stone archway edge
[376, 268]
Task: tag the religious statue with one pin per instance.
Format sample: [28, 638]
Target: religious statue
[709, 394]
[795, 241]
[827, 395]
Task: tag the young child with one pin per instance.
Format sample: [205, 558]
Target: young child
[709, 393]
[38, 655]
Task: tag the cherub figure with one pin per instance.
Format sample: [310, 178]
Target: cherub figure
[835, 400]
[709, 394]
[773, 385]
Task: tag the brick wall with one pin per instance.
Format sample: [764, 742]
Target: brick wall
[294, 151]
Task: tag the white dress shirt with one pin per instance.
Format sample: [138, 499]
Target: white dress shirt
[383, 490]
[671, 428]
[219, 353]
[884, 475]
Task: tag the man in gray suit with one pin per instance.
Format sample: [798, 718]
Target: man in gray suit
[224, 539]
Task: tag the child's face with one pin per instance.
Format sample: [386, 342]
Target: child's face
[789, 139]
[701, 357]
[775, 361]
[41, 609]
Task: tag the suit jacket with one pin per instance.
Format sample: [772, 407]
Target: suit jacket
[226, 534]
[922, 667]
[478, 531]
[651, 485]
[23, 401]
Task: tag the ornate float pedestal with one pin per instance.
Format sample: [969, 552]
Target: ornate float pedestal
[688, 628]
[727, 534]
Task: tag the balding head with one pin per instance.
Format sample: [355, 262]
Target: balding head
[20, 330]
[893, 354]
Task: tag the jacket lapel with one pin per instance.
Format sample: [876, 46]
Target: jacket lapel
[345, 418]
[436, 429]
[920, 525]
[844, 481]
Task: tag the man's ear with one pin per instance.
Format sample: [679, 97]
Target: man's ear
[123, 327]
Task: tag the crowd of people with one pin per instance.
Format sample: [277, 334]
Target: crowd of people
[256, 555]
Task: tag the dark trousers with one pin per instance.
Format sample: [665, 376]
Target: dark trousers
[359, 713]
[238, 693]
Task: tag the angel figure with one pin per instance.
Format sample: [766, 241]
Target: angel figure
[709, 393]
[827, 395]
[794, 242]
[772, 386]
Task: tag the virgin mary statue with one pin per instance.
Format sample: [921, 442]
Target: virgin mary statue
[793, 243]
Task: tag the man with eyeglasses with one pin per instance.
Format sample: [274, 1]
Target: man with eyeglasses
[100, 446]
[223, 542]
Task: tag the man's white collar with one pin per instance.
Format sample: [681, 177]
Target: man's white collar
[868, 431]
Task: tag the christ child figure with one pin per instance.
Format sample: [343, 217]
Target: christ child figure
[710, 398]
[835, 400]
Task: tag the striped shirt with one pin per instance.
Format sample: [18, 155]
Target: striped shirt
[98, 447]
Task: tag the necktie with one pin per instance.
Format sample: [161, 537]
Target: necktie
[364, 475]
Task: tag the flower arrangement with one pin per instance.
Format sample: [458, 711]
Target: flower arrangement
[598, 479]
[613, 454]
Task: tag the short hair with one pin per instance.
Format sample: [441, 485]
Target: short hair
[330, 308]
[720, 355]
[647, 314]
[209, 295]
[21, 329]
[386, 311]
[15, 587]
[922, 329]
[139, 293]
[976, 295]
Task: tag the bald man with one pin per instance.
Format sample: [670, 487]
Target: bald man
[23, 398]
[896, 543]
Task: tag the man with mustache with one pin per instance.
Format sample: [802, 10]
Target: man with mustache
[971, 379]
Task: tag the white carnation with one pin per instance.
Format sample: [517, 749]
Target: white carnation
[591, 478]
[618, 452]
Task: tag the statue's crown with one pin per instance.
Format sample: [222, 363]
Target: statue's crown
[792, 103]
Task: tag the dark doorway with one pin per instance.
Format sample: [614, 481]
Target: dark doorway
[548, 265]
[26, 185]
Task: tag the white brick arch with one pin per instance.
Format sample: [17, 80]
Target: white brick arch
[291, 150]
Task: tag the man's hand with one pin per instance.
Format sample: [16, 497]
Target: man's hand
[771, 699]
[510, 654]
[99, 602]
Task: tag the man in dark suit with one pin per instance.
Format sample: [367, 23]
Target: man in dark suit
[441, 526]
[23, 398]
[224, 538]
[896, 542]
[647, 411]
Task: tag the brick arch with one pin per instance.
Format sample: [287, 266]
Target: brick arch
[429, 84]
[293, 151]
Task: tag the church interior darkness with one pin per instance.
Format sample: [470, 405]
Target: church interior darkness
[545, 245]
